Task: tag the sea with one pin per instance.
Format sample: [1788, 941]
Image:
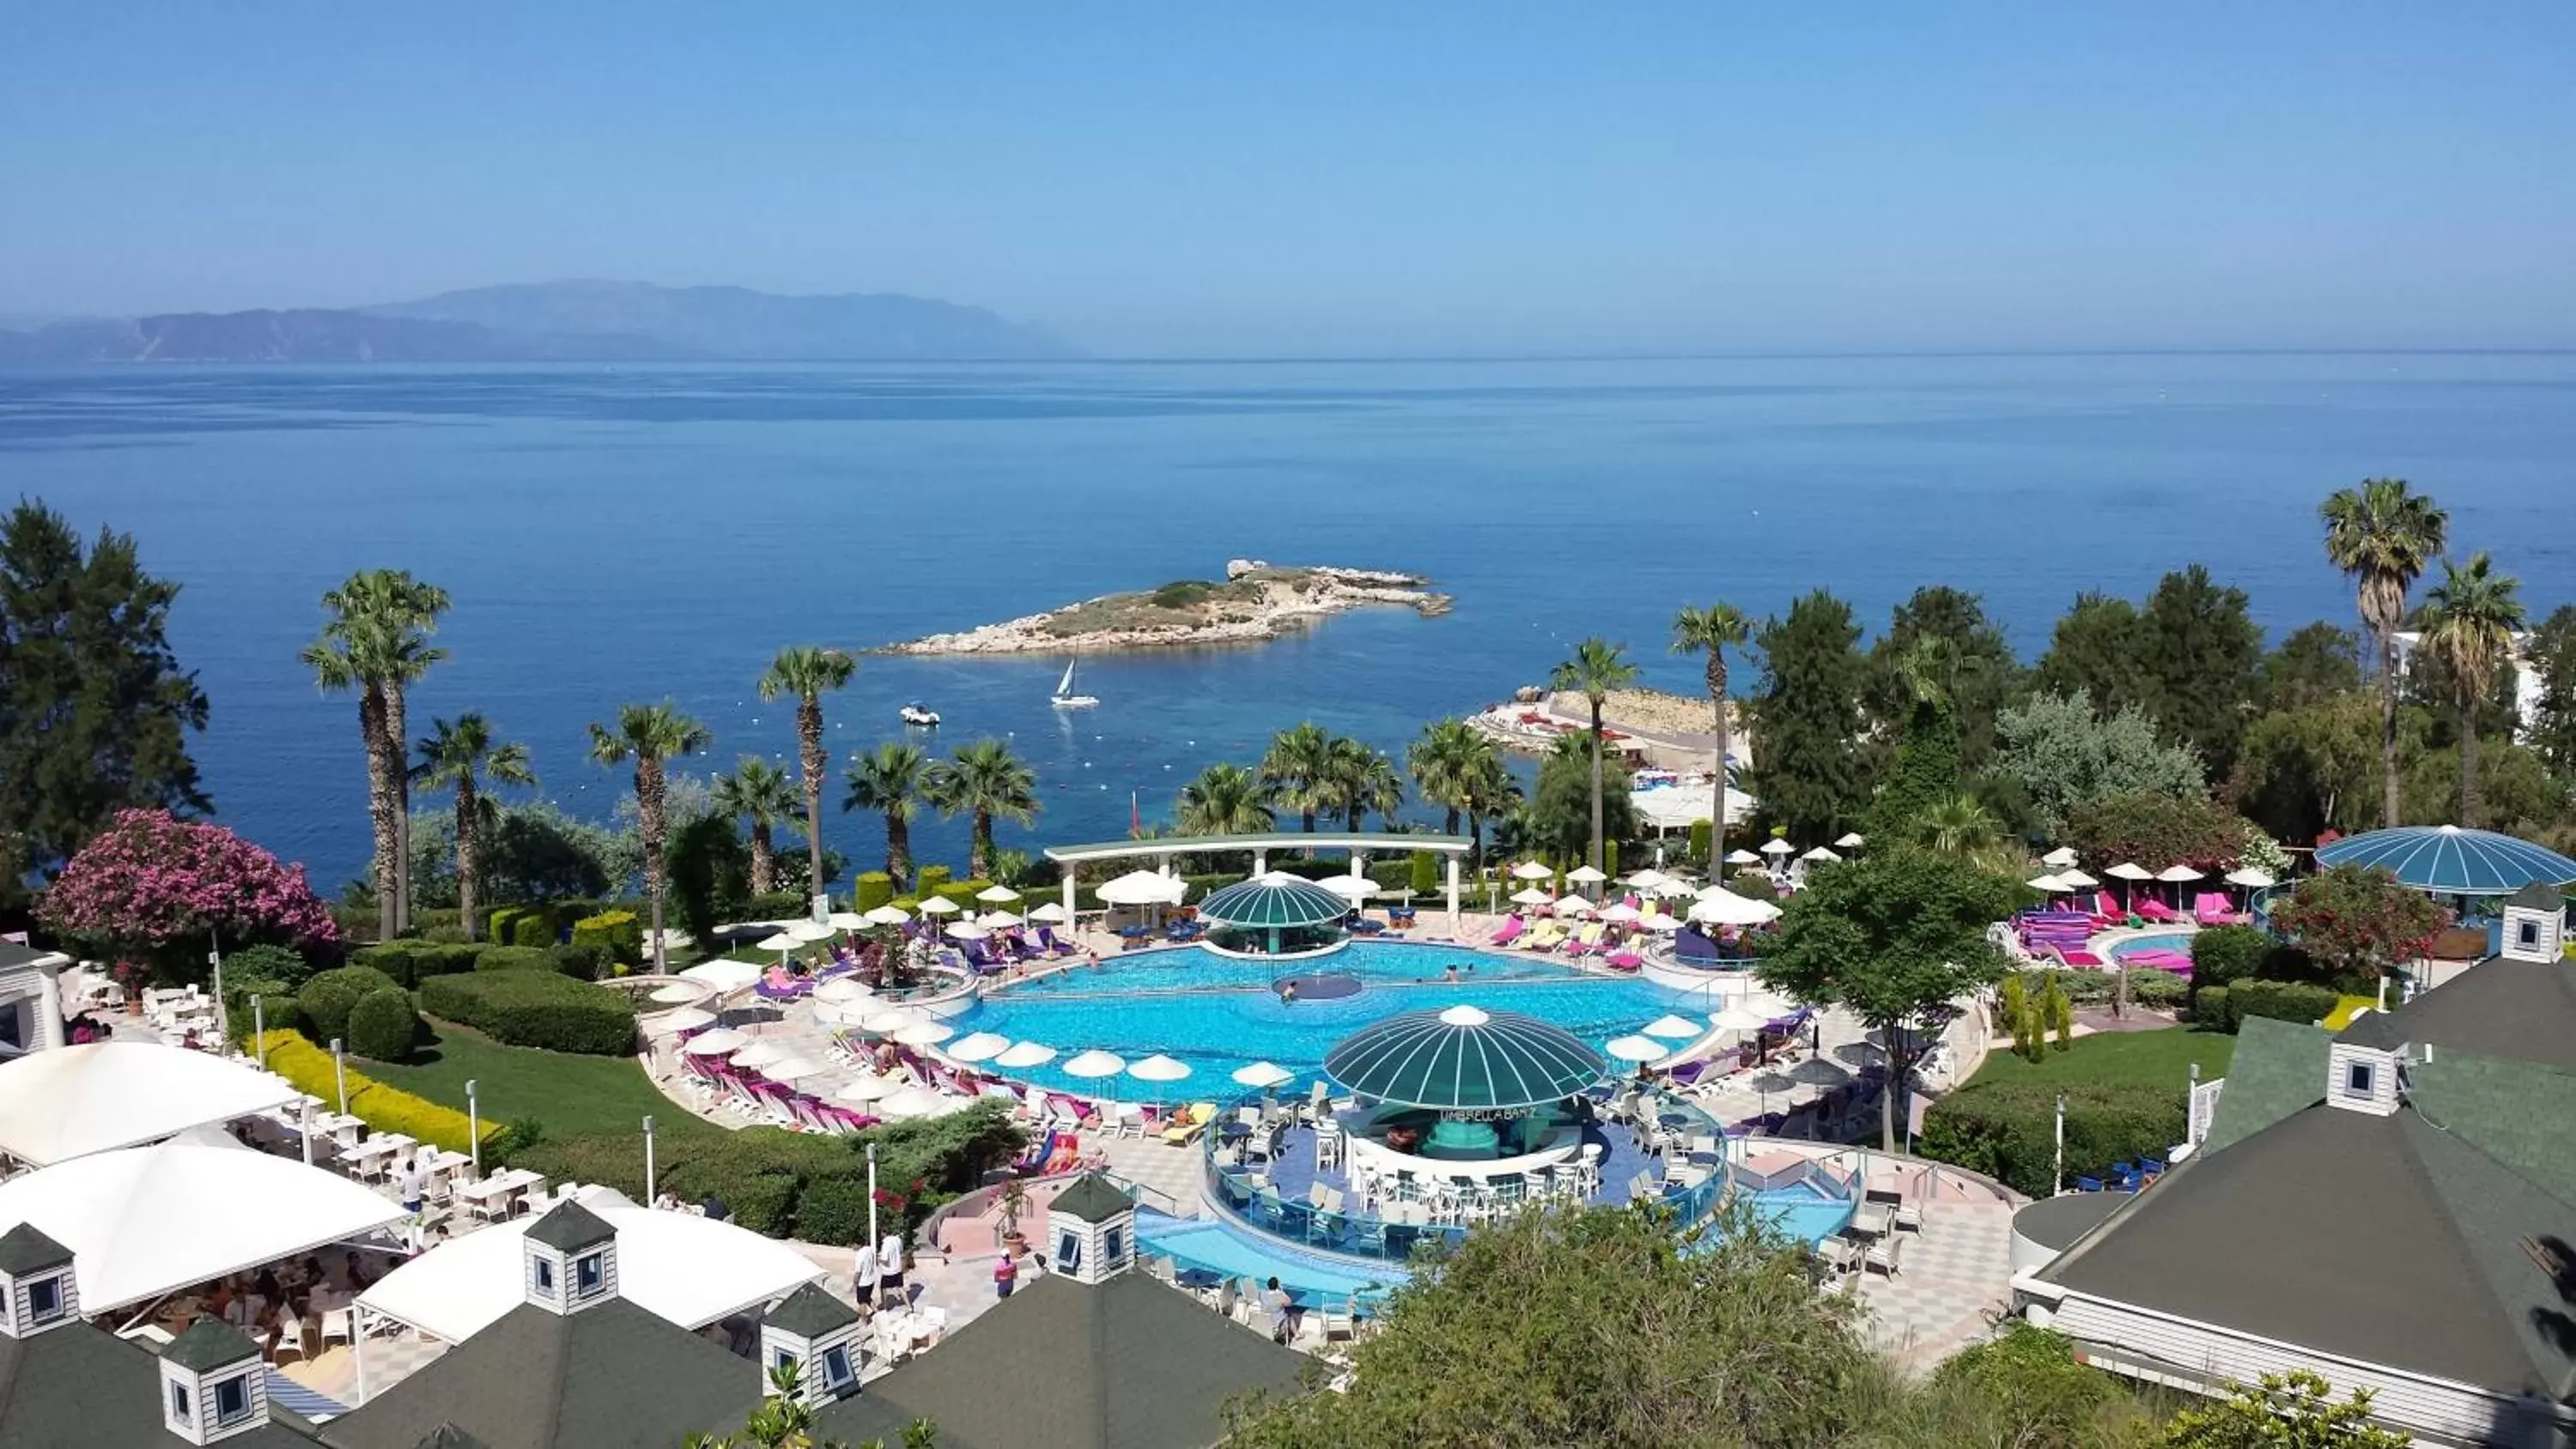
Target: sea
[617, 533]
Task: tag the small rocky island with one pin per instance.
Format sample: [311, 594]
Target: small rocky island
[1255, 601]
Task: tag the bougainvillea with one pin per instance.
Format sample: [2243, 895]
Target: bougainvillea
[2360, 922]
[151, 881]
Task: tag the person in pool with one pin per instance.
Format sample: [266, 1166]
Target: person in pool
[1288, 991]
[1452, 973]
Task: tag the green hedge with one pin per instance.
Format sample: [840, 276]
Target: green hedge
[2224, 1008]
[928, 879]
[277, 1006]
[777, 906]
[2147, 987]
[268, 963]
[410, 963]
[1702, 836]
[872, 889]
[515, 958]
[382, 1026]
[581, 963]
[326, 1001]
[531, 925]
[618, 933]
[2006, 1129]
[541, 1009]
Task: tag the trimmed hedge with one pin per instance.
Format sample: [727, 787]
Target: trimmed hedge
[778, 906]
[1703, 835]
[541, 1009]
[241, 1020]
[410, 963]
[929, 879]
[618, 933]
[326, 1001]
[386, 1109]
[581, 963]
[532, 925]
[268, 963]
[382, 1026]
[2224, 1008]
[2006, 1129]
[2222, 954]
[515, 958]
[872, 889]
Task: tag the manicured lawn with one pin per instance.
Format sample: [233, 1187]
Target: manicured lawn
[2125, 1058]
[572, 1095]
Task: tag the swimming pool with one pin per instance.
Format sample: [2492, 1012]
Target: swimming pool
[1217, 1015]
[2175, 941]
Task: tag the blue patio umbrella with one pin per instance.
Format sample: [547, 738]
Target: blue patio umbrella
[1464, 1061]
[1276, 899]
[2448, 860]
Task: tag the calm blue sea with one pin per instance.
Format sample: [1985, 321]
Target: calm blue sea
[634, 533]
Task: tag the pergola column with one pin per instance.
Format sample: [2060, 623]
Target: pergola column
[1453, 894]
[1260, 862]
[49, 1007]
[1071, 871]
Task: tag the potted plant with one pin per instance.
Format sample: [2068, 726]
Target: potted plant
[1015, 1201]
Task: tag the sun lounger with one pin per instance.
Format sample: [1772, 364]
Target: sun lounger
[1545, 936]
[1512, 929]
[2158, 912]
[1624, 961]
[1586, 942]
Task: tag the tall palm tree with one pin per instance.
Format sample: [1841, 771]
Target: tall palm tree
[1960, 827]
[1363, 779]
[375, 641]
[651, 735]
[1224, 800]
[1596, 668]
[761, 792]
[1442, 759]
[2384, 536]
[1490, 792]
[890, 782]
[1712, 631]
[2470, 618]
[462, 754]
[809, 673]
[1298, 771]
[981, 781]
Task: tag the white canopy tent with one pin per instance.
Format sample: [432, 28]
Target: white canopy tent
[76, 1100]
[691, 1270]
[143, 1222]
[1721, 907]
[1142, 888]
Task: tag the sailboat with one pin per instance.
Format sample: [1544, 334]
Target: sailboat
[1064, 697]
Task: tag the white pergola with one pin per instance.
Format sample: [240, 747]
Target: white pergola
[1162, 850]
[77, 1100]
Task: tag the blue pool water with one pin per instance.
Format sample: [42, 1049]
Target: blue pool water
[1214, 1246]
[1218, 1015]
[1804, 1211]
[2162, 941]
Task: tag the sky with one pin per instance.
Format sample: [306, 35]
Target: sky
[1334, 180]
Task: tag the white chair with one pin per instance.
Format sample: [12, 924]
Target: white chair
[340, 1324]
[1884, 1255]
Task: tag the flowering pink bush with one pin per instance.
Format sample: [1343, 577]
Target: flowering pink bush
[151, 880]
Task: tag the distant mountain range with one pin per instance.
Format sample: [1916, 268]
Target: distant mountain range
[559, 322]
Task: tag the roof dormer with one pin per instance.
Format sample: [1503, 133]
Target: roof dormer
[2363, 1078]
[213, 1385]
[2535, 924]
[569, 1260]
[817, 1335]
[1093, 1225]
[38, 1289]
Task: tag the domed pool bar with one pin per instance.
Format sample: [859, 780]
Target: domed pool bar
[1276, 916]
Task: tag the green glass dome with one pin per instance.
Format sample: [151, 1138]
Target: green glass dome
[1465, 1058]
[1272, 900]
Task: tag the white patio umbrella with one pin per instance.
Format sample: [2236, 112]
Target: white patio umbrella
[723, 1041]
[844, 988]
[2250, 878]
[966, 931]
[760, 1054]
[1740, 1016]
[2178, 874]
[1531, 870]
[1813, 1071]
[1352, 887]
[1778, 847]
[2046, 884]
[1532, 897]
[890, 1020]
[1673, 888]
[1022, 1055]
[1772, 1007]
[2077, 880]
[1741, 856]
[1721, 907]
[1621, 913]
[793, 1067]
[1141, 888]
[913, 1102]
[997, 920]
[1585, 875]
[1094, 1064]
[976, 1046]
[1158, 1068]
[1660, 921]
[1854, 840]
[845, 920]
[1636, 1048]
[997, 895]
[1678, 1027]
[870, 1088]
[687, 1018]
[1821, 856]
[887, 916]
[1264, 1074]
[1575, 905]
[724, 976]
[2059, 858]
[781, 942]
[678, 993]
[1648, 879]
[925, 1033]
[810, 931]
[1051, 911]
[2129, 870]
[940, 906]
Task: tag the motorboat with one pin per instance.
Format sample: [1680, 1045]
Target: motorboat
[1064, 697]
[917, 713]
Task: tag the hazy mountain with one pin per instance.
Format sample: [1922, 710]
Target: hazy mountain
[735, 323]
[556, 322]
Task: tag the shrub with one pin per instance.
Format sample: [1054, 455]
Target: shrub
[833, 1209]
[541, 1009]
[275, 1006]
[777, 905]
[2156, 988]
[436, 918]
[581, 963]
[929, 879]
[872, 889]
[2007, 1129]
[326, 1001]
[382, 1026]
[442, 959]
[522, 926]
[1753, 885]
[394, 958]
[2212, 1009]
[2223, 954]
[445, 935]
[1422, 873]
[279, 964]
[963, 892]
[383, 1108]
[514, 958]
[1703, 838]
[616, 932]
[2299, 1001]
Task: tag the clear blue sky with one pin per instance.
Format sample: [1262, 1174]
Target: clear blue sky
[1323, 179]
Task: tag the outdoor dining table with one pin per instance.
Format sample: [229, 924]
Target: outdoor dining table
[340, 1127]
[374, 1157]
[490, 1198]
[1873, 1220]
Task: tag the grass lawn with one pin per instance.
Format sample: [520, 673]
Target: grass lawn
[2120, 1058]
[571, 1094]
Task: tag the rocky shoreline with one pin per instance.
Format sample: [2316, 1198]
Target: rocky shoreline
[1256, 601]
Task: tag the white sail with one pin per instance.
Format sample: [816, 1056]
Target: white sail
[1064, 686]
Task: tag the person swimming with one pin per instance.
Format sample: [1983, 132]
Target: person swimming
[1288, 991]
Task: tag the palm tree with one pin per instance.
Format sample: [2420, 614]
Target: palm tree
[463, 754]
[1298, 771]
[980, 781]
[809, 673]
[1598, 667]
[2470, 618]
[2384, 536]
[1712, 631]
[1224, 800]
[890, 782]
[1490, 793]
[1959, 826]
[1442, 759]
[651, 735]
[761, 791]
[376, 642]
[1363, 779]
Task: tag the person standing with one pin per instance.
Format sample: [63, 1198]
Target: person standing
[863, 1277]
[890, 1267]
[414, 1186]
